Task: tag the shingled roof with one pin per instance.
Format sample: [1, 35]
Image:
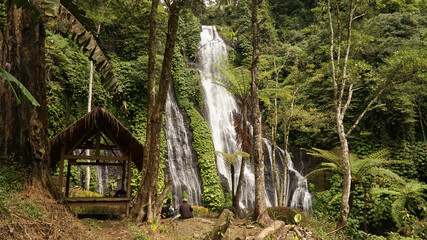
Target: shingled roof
[99, 118]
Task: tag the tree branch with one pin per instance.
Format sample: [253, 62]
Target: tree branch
[331, 28]
[350, 94]
[365, 110]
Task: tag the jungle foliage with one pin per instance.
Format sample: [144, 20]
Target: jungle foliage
[388, 45]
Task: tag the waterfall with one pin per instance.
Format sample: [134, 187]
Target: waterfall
[182, 162]
[219, 107]
[297, 194]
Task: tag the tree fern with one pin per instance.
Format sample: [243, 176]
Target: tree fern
[408, 196]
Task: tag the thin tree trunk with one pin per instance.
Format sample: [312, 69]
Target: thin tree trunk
[240, 184]
[89, 108]
[274, 136]
[260, 211]
[365, 207]
[148, 189]
[23, 127]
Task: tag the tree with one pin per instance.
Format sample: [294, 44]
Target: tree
[260, 211]
[146, 204]
[343, 84]
[23, 127]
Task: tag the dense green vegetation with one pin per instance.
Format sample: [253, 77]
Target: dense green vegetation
[388, 45]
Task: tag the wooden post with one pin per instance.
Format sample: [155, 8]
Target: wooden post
[67, 187]
[128, 190]
[61, 168]
[98, 143]
[124, 175]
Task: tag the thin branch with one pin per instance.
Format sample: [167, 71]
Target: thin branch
[350, 94]
[365, 110]
[334, 78]
[361, 15]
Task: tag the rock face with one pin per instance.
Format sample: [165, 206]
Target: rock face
[221, 225]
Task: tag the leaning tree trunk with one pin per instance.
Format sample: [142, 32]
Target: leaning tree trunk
[260, 211]
[144, 208]
[23, 127]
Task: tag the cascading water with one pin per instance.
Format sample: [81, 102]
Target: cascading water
[182, 162]
[297, 194]
[219, 106]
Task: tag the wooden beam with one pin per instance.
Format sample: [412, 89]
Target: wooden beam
[102, 147]
[105, 139]
[84, 137]
[61, 168]
[111, 137]
[98, 142]
[97, 164]
[95, 157]
[96, 199]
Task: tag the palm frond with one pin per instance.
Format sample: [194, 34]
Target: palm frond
[386, 175]
[378, 191]
[335, 197]
[398, 210]
[327, 155]
[380, 154]
[83, 31]
[320, 170]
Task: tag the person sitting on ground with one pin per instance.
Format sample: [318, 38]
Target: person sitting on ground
[168, 210]
[185, 209]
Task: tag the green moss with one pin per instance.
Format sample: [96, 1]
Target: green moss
[213, 195]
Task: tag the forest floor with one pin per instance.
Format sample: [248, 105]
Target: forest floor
[35, 214]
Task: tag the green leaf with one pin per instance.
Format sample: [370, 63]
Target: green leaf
[24, 90]
[297, 218]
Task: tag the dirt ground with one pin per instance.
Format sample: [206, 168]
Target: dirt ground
[34, 214]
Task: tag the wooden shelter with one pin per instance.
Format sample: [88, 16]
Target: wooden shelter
[97, 138]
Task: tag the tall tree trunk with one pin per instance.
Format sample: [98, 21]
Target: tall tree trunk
[138, 212]
[23, 128]
[147, 191]
[257, 152]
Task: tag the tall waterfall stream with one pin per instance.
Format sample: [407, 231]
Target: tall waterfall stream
[219, 107]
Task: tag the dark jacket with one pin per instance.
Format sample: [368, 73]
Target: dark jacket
[167, 210]
[186, 210]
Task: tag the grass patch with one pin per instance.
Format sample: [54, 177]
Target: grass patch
[140, 234]
[30, 208]
[199, 211]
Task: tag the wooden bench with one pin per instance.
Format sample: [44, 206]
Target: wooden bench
[100, 201]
